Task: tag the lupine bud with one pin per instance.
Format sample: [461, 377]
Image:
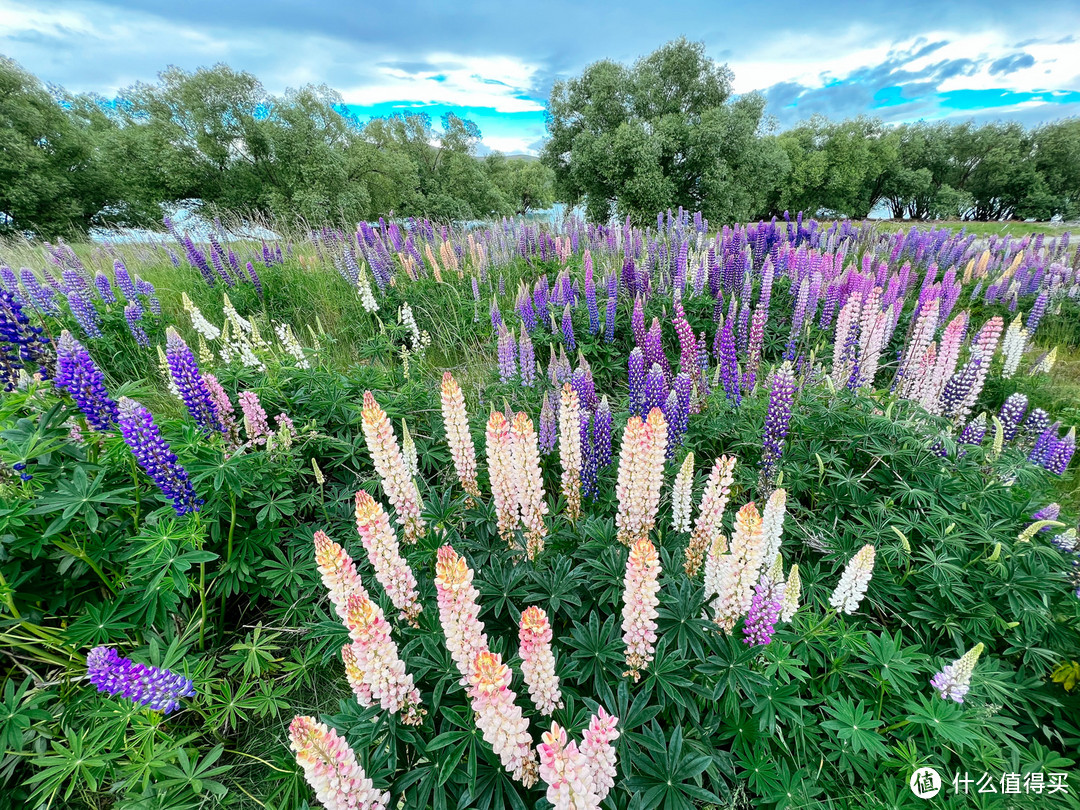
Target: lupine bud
[499, 718]
[456, 423]
[458, 610]
[391, 570]
[160, 689]
[640, 600]
[528, 483]
[400, 488]
[538, 661]
[155, 456]
[854, 581]
[570, 450]
[330, 767]
[681, 494]
[954, 680]
[714, 501]
[84, 382]
[792, 590]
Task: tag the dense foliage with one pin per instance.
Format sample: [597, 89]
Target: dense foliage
[300, 388]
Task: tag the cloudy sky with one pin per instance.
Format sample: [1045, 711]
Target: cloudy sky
[494, 63]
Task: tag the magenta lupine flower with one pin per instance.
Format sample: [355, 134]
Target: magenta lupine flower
[781, 399]
[602, 433]
[160, 689]
[729, 363]
[763, 614]
[155, 456]
[526, 359]
[636, 379]
[77, 374]
[190, 384]
[568, 329]
[507, 355]
[1012, 411]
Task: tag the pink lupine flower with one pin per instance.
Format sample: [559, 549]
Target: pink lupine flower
[528, 483]
[399, 486]
[499, 718]
[567, 772]
[640, 600]
[338, 572]
[854, 581]
[597, 747]
[570, 450]
[500, 459]
[739, 569]
[458, 609]
[225, 409]
[846, 323]
[922, 335]
[456, 422]
[285, 423]
[954, 680]
[376, 656]
[330, 767]
[357, 678]
[391, 570]
[256, 425]
[641, 474]
[714, 501]
[537, 660]
[952, 339]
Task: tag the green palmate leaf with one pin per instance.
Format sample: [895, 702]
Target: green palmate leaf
[944, 719]
[855, 725]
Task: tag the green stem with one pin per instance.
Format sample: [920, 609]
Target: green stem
[895, 726]
[228, 551]
[79, 554]
[138, 496]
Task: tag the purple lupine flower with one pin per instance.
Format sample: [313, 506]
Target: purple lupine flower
[568, 329]
[590, 297]
[583, 384]
[496, 316]
[258, 282]
[1037, 421]
[507, 354]
[654, 348]
[190, 383]
[105, 288]
[958, 387]
[636, 380]
[1044, 445]
[133, 312]
[84, 382]
[156, 457]
[475, 289]
[975, 431]
[8, 280]
[526, 312]
[954, 680]
[1038, 309]
[778, 419]
[763, 614]
[74, 281]
[85, 313]
[540, 300]
[502, 284]
[526, 359]
[1049, 512]
[602, 433]
[21, 343]
[145, 288]
[677, 418]
[610, 311]
[40, 296]
[1058, 459]
[1012, 411]
[729, 363]
[637, 323]
[655, 390]
[160, 689]
[549, 425]
[589, 466]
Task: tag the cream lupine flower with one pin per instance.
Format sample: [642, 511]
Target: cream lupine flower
[458, 609]
[500, 459]
[567, 772]
[376, 656]
[792, 590]
[408, 451]
[854, 581]
[206, 357]
[1046, 363]
[528, 483]
[400, 488]
[166, 373]
[456, 422]
[570, 450]
[714, 567]
[330, 767]
[391, 570]
[538, 661]
[772, 526]
[714, 501]
[641, 474]
[198, 321]
[499, 718]
[338, 572]
[681, 495]
[740, 569]
[640, 600]
[1013, 347]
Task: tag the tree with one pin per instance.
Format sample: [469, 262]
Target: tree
[523, 183]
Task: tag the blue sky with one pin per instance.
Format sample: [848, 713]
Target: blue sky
[494, 62]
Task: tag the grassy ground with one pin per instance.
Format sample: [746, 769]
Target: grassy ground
[1010, 228]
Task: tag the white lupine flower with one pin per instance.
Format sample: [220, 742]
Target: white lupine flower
[1013, 346]
[291, 345]
[367, 298]
[772, 525]
[198, 320]
[854, 581]
[681, 495]
[232, 315]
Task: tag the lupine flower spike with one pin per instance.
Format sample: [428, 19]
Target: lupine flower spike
[458, 610]
[400, 488]
[640, 600]
[330, 767]
[499, 718]
[538, 661]
[156, 457]
[160, 689]
[954, 680]
[854, 581]
[738, 570]
[681, 495]
[792, 591]
[641, 474]
[391, 570]
[714, 501]
[528, 483]
[77, 374]
[570, 450]
[500, 459]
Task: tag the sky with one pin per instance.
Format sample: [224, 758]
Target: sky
[495, 62]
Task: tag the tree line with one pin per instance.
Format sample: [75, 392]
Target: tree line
[624, 140]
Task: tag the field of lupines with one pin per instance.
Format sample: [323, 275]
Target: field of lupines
[598, 517]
